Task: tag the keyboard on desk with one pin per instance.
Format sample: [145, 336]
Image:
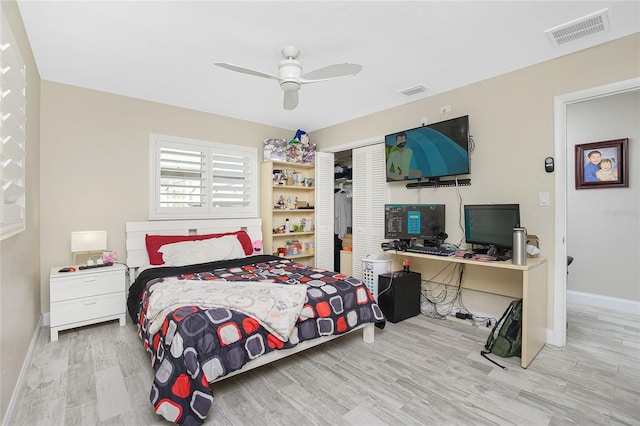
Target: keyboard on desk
[434, 251]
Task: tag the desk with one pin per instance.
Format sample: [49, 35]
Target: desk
[528, 282]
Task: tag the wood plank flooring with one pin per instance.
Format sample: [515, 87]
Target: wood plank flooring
[419, 371]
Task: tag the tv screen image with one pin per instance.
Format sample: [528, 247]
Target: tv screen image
[414, 221]
[491, 225]
[427, 152]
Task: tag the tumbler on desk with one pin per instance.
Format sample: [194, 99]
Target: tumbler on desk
[519, 251]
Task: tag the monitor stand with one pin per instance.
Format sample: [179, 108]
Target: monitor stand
[433, 242]
[427, 242]
[493, 251]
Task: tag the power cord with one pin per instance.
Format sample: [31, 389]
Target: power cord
[439, 302]
[127, 270]
[477, 319]
[460, 214]
[388, 287]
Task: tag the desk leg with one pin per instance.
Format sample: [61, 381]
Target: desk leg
[534, 312]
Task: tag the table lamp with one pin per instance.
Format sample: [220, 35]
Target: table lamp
[87, 242]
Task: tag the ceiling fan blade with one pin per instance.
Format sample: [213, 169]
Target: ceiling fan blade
[331, 72]
[246, 70]
[290, 100]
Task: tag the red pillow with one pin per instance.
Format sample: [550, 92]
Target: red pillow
[154, 242]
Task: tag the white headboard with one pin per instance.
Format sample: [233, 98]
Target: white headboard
[136, 231]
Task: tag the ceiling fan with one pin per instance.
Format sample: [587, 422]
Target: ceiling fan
[290, 75]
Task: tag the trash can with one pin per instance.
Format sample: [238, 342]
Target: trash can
[373, 266]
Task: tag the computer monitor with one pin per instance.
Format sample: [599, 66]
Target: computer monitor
[491, 225]
[412, 222]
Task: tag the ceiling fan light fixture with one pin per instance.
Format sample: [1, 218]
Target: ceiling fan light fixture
[290, 74]
[290, 86]
[290, 68]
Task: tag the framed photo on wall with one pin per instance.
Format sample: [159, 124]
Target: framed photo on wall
[602, 164]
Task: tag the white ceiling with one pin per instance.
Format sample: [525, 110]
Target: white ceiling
[164, 51]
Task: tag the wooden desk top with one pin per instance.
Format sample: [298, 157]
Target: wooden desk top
[532, 262]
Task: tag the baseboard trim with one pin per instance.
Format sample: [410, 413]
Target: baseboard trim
[23, 372]
[551, 338]
[607, 302]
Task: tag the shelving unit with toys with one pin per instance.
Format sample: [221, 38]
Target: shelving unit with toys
[288, 193]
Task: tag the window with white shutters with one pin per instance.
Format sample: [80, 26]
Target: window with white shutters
[200, 179]
[13, 90]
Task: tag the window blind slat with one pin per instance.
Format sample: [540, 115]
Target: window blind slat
[12, 149]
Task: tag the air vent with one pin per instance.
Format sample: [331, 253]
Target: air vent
[414, 90]
[593, 23]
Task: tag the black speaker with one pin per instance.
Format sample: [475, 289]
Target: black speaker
[401, 300]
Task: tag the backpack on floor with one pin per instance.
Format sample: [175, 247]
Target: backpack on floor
[508, 341]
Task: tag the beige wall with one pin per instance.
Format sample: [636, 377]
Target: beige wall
[512, 123]
[19, 254]
[95, 162]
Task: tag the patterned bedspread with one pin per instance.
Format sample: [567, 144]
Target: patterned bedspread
[275, 306]
[196, 345]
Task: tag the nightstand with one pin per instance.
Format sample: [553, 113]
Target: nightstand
[86, 296]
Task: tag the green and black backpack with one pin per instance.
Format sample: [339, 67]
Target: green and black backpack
[508, 341]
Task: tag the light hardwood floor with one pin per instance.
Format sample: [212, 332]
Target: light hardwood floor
[419, 371]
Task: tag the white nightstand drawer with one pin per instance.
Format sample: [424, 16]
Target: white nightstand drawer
[79, 286]
[86, 309]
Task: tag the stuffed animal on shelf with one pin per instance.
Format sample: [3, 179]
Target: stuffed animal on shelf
[303, 151]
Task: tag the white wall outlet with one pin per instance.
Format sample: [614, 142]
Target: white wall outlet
[423, 120]
[444, 109]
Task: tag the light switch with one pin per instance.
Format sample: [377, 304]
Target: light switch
[543, 198]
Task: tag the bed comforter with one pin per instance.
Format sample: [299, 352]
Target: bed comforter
[196, 345]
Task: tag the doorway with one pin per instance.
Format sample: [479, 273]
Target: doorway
[563, 178]
[369, 193]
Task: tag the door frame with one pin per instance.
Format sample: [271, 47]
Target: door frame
[354, 144]
[558, 335]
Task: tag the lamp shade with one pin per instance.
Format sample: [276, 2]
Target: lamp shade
[88, 241]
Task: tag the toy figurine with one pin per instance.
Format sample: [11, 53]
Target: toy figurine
[280, 204]
[301, 137]
[307, 150]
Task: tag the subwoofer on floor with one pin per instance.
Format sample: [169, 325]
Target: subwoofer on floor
[401, 300]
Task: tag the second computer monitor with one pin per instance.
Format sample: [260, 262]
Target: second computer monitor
[414, 222]
[490, 225]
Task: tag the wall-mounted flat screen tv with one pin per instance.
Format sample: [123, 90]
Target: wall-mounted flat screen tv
[428, 152]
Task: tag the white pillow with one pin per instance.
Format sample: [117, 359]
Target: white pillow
[201, 251]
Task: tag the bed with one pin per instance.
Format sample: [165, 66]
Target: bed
[207, 321]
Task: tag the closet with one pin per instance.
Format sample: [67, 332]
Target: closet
[343, 186]
[368, 190]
